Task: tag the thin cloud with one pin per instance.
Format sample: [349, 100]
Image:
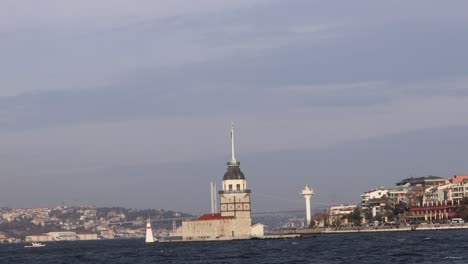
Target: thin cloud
[112, 93]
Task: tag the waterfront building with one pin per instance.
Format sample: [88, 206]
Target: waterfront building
[459, 178]
[7, 239]
[441, 202]
[374, 200]
[460, 187]
[234, 220]
[406, 194]
[410, 190]
[62, 236]
[38, 238]
[257, 230]
[337, 212]
[87, 236]
[426, 181]
[431, 198]
[372, 194]
[434, 211]
[107, 233]
[439, 193]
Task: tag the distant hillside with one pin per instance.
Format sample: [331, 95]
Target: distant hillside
[18, 222]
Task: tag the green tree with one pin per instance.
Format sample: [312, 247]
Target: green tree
[354, 216]
[400, 208]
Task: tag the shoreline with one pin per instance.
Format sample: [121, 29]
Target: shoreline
[266, 237]
[329, 230]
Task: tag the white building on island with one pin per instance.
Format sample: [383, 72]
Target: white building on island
[61, 236]
[234, 221]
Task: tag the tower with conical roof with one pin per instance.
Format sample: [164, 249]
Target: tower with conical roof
[235, 197]
[234, 221]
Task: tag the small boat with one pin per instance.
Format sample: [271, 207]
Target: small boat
[35, 244]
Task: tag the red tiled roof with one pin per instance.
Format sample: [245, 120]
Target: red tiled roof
[213, 217]
[459, 178]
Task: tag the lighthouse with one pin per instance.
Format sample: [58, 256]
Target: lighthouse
[235, 197]
[307, 193]
[149, 232]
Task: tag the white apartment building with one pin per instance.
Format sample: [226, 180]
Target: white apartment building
[371, 195]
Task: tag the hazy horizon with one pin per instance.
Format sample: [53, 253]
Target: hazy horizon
[124, 103]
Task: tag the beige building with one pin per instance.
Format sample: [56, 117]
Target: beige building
[63, 235]
[60, 236]
[215, 226]
[257, 230]
[87, 236]
[39, 238]
[108, 234]
[6, 239]
[234, 221]
[336, 212]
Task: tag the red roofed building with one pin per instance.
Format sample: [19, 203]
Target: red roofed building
[218, 216]
[435, 211]
[459, 178]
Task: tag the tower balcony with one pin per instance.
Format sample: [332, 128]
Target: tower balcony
[234, 191]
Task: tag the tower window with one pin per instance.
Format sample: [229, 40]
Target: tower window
[230, 187]
[238, 187]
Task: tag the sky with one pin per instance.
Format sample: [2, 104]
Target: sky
[129, 103]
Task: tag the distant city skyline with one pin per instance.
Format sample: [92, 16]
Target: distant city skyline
[124, 103]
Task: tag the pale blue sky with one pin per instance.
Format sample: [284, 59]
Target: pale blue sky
[129, 102]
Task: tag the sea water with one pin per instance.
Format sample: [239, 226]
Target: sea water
[387, 247]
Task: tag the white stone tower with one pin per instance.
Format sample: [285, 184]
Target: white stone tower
[235, 197]
[307, 193]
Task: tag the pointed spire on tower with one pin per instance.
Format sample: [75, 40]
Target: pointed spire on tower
[233, 161]
[233, 154]
[234, 171]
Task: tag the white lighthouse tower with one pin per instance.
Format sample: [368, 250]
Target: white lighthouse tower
[307, 193]
[149, 232]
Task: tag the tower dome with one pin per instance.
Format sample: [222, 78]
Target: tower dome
[233, 172]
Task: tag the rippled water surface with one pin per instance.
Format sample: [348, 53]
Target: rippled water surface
[402, 247]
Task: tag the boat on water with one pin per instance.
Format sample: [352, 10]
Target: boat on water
[35, 244]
